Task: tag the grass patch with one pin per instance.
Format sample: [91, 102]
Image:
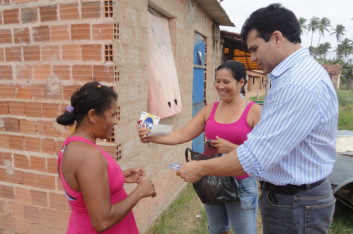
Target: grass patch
[342, 220]
[185, 215]
[345, 98]
[345, 118]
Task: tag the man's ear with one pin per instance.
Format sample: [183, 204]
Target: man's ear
[278, 37]
[92, 115]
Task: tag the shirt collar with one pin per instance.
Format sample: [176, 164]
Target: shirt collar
[289, 62]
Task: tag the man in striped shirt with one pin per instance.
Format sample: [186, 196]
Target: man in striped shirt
[291, 151]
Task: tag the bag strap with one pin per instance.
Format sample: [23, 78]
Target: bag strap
[186, 154]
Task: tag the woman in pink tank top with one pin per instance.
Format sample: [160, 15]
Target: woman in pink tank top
[226, 123]
[92, 180]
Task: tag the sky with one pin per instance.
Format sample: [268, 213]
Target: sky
[337, 11]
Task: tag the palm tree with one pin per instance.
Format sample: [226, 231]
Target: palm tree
[324, 25]
[302, 24]
[313, 26]
[344, 49]
[323, 49]
[339, 32]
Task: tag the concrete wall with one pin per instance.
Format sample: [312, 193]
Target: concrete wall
[50, 48]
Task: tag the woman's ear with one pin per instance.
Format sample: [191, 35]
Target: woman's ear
[242, 81]
[92, 115]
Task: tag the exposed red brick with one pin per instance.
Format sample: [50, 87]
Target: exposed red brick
[41, 33]
[33, 109]
[16, 210]
[82, 73]
[63, 72]
[52, 164]
[38, 91]
[50, 53]
[12, 125]
[0, 17]
[21, 35]
[60, 33]
[24, 72]
[2, 55]
[7, 192]
[13, 54]
[4, 141]
[16, 142]
[23, 195]
[16, 108]
[5, 159]
[42, 228]
[103, 73]
[21, 161]
[4, 108]
[46, 181]
[71, 52]
[39, 198]
[51, 131]
[41, 128]
[92, 52]
[91, 9]
[47, 145]
[18, 1]
[31, 213]
[24, 92]
[29, 15]
[69, 11]
[48, 13]
[57, 201]
[38, 163]
[7, 91]
[69, 90]
[50, 110]
[9, 223]
[30, 179]
[11, 16]
[31, 53]
[41, 72]
[80, 31]
[16, 177]
[32, 144]
[5, 36]
[103, 31]
[28, 126]
[6, 72]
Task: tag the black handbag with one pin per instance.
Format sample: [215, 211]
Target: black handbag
[213, 189]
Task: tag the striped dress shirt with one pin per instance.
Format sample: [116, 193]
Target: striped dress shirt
[295, 140]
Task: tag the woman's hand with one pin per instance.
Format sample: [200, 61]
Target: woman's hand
[142, 131]
[223, 146]
[134, 175]
[146, 187]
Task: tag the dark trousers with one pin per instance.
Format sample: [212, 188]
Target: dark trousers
[307, 211]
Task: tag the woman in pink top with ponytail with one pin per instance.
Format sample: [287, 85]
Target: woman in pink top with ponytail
[92, 180]
[226, 123]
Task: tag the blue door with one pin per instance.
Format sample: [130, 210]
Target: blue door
[198, 86]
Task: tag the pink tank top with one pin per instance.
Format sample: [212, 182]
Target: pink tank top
[79, 221]
[233, 132]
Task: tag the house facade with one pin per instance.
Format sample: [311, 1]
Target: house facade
[48, 49]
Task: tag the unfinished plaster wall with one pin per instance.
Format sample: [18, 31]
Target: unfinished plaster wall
[186, 18]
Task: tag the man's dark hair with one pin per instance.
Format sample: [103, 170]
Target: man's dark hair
[92, 95]
[271, 18]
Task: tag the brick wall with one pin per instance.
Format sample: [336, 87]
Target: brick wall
[47, 50]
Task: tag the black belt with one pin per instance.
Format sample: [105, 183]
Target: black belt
[289, 188]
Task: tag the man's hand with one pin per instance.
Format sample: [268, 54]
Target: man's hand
[190, 171]
[223, 146]
[134, 175]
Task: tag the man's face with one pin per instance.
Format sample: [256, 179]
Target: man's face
[263, 53]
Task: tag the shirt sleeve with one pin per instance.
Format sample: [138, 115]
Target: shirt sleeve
[289, 115]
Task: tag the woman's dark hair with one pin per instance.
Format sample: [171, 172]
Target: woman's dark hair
[271, 18]
[92, 95]
[236, 68]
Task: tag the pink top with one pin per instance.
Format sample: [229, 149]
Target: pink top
[233, 132]
[80, 221]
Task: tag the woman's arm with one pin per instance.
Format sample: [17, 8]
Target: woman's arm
[191, 130]
[254, 115]
[92, 178]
